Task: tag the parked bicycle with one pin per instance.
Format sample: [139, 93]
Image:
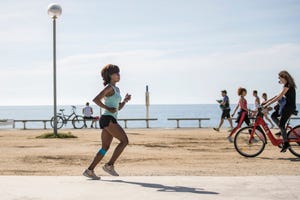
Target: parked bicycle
[250, 141]
[62, 119]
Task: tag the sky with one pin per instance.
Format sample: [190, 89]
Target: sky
[187, 51]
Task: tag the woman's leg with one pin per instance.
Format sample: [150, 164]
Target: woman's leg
[282, 122]
[117, 131]
[240, 119]
[286, 114]
[275, 116]
[106, 141]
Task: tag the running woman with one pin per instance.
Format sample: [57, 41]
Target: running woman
[225, 106]
[108, 121]
[288, 94]
[242, 115]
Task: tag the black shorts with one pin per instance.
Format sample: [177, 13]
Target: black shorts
[89, 117]
[226, 114]
[105, 119]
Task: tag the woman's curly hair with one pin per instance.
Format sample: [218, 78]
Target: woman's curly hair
[241, 90]
[107, 71]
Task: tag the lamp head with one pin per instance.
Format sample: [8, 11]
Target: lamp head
[54, 10]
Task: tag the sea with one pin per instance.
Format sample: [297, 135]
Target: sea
[161, 112]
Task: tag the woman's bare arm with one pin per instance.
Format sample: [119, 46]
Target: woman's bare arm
[237, 106]
[126, 99]
[108, 91]
[276, 98]
[269, 100]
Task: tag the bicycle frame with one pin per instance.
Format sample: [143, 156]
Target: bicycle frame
[288, 127]
[66, 117]
[73, 117]
[260, 122]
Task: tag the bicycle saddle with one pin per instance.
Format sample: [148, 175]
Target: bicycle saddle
[61, 109]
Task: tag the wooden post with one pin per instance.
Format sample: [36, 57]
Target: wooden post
[199, 123]
[125, 122]
[24, 125]
[177, 123]
[45, 124]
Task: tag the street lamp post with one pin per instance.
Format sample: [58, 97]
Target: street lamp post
[54, 11]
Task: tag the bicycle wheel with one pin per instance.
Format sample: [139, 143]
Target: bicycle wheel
[78, 122]
[248, 148]
[294, 137]
[60, 122]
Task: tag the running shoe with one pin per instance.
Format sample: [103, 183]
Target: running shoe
[90, 174]
[230, 139]
[216, 129]
[110, 169]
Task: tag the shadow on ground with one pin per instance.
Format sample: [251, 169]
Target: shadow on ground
[287, 159]
[165, 188]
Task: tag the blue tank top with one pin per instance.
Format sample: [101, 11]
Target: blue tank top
[113, 102]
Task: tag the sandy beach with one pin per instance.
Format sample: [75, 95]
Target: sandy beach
[185, 152]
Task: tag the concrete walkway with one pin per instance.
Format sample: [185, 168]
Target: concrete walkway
[149, 188]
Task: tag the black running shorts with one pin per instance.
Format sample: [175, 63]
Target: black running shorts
[105, 119]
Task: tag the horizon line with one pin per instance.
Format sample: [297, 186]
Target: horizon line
[129, 104]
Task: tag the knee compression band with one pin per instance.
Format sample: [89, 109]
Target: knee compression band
[102, 152]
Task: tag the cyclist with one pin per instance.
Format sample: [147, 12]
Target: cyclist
[287, 105]
[225, 106]
[108, 121]
[243, 113]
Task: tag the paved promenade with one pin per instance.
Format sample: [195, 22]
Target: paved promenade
[149, 188]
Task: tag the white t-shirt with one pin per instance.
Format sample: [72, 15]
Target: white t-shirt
[87, 111]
